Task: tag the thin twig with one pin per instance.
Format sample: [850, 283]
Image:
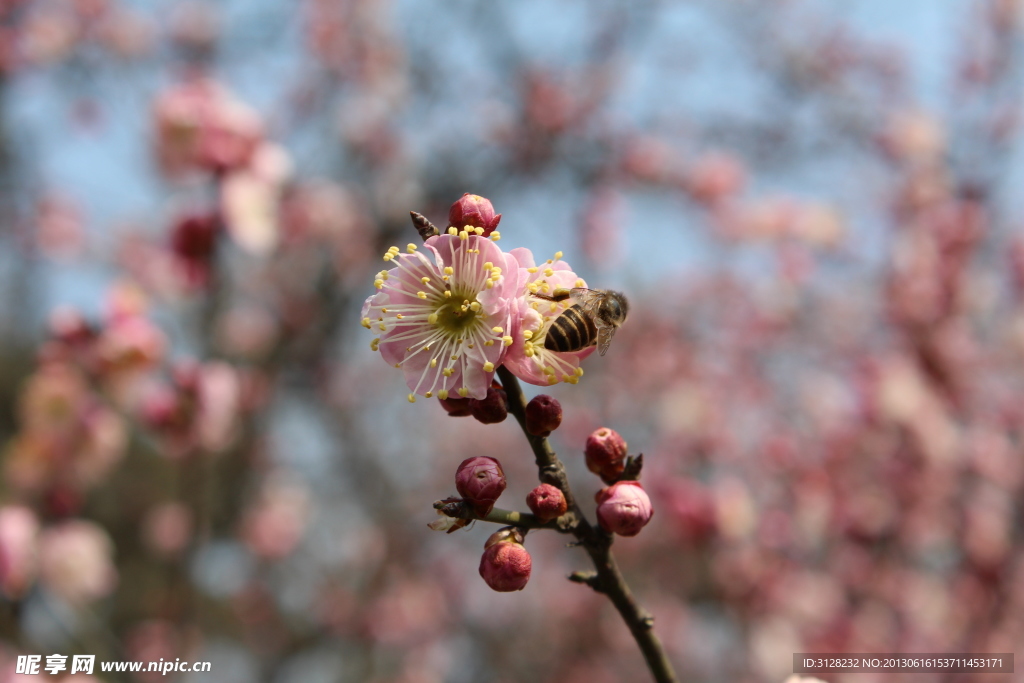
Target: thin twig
[597, 543]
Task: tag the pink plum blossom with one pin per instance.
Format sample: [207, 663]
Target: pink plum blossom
[527, 358]
[444, 313]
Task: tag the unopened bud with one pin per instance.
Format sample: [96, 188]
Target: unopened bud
[492, 409]
[505, 565]
[606, 454]
[543, 415]
[475, 211]
[456, 407]
[480, 482]
[194, 236]
[624, 508]
[547, 502]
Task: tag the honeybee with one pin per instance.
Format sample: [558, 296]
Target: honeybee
[592, 319]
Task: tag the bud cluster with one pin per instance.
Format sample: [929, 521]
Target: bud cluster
[623, 507]
[491, 409]
[503, 323]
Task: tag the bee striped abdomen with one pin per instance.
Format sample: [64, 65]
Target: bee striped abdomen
[571, 331]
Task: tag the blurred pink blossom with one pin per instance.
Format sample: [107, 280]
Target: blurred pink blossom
[219, 403]
[19, 532]
[167, 528]
[274, 526]
[201, 126]
[76, 561]
[251, 197]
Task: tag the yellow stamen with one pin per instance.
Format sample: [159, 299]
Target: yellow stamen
[527, 334]
[375, 344]
[443, 394]
[366, 323]
[411, 248]
[558, 255]
[412, 398]
[488, 366]
[433, 362]
[429, 394]
[495, 236]
[453, 230]
[463, 392]
[507, 340]
[422, 295]
[432, 318]
[447, 372]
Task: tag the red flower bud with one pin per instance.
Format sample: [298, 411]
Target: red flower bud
[456, 407]
[505, 564]
[624, 508]
[492, 409]
[543, 415]
[606, 454]
[480, 481]
[547, 502]
[475, 211]
[194, 236]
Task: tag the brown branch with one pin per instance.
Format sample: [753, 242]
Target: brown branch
[608, 579]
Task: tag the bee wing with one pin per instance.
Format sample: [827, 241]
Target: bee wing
[588, 299]
[604, 335]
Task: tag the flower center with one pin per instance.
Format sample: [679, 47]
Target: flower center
[456, 316]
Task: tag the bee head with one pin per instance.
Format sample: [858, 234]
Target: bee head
[615, 308]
